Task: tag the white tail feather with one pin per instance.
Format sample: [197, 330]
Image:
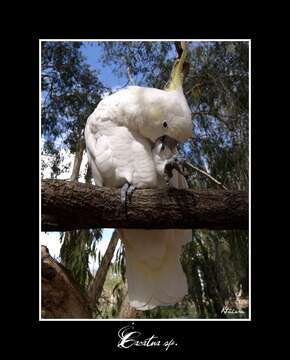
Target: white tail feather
[154, 272]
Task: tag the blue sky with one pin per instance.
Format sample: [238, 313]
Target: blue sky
[93, 58]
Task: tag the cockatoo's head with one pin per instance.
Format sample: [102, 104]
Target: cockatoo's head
[177, 127]
[167, 111]
[173, 120]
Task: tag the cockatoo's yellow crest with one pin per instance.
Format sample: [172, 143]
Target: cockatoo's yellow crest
[177, 73]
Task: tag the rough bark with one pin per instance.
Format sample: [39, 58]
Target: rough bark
[60, 296]
[100, 277]
[71, 205]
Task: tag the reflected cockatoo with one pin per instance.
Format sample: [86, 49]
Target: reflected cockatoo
[131, 140]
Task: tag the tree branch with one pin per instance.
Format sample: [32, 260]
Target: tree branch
[70, 205]
[60, 295]
[130, 76]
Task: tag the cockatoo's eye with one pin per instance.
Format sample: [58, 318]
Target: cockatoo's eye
[165, 124]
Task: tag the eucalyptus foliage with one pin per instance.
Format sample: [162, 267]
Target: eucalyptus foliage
[77, 247]
[70, 92]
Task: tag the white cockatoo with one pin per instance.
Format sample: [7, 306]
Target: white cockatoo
[131, 140]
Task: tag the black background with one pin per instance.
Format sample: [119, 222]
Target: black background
[200, 338]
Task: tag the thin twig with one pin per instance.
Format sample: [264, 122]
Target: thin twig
[130, 76]
[206, 174]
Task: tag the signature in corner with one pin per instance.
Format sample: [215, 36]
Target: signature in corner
[228, 310]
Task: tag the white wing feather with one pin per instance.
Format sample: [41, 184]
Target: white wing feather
[118, 155]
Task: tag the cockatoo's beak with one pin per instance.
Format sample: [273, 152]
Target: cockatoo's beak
[168, 142]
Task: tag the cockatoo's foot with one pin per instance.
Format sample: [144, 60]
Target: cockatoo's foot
[179, 164]
[126, 193]
[130, 191]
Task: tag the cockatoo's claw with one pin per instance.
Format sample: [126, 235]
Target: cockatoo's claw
[130, 192]
[124, 190]
[126, 193]
[175, 162]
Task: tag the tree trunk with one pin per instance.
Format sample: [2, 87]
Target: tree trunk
[72, 205]
[61, 298]
[100, 277]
